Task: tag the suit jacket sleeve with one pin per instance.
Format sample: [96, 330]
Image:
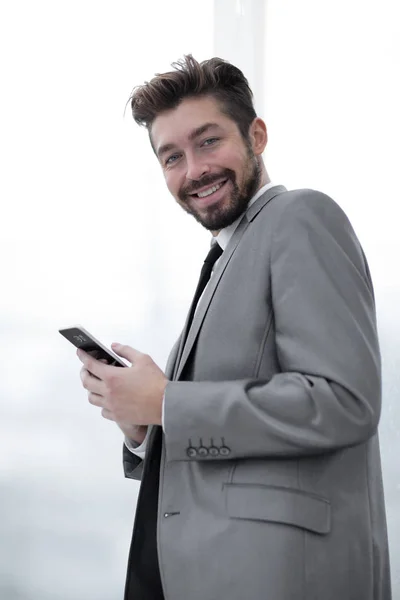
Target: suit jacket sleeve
[132, 464]
[328, 393]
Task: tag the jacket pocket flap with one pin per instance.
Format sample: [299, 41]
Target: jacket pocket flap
[280, 505]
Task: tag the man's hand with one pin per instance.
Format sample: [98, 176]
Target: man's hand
[131, 397]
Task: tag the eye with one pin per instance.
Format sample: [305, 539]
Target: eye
[171, 159]
[210, 141]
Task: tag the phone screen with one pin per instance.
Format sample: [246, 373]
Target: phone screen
[82, 339]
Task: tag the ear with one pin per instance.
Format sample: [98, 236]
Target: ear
[258, 136]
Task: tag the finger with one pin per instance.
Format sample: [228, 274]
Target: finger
[92, 383]
[97, 400]
[92, 365]
[126, 352]
[102, 360]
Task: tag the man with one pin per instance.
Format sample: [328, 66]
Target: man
[261, 477]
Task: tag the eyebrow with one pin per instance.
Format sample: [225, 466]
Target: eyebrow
[192, 136]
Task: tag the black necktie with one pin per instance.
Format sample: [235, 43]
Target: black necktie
[205, 274]
[211, 258]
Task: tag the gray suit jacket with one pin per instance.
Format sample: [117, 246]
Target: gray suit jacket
[270, 478]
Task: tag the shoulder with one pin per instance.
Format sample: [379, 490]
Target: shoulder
[306, 200]
[308, 218]
[309, 208]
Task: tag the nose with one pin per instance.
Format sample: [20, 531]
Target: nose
[195, 168]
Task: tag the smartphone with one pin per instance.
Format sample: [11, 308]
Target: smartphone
[79, 337]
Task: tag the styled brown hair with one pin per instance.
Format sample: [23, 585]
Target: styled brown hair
[214, 77]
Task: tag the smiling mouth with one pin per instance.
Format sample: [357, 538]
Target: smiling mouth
[209, 191]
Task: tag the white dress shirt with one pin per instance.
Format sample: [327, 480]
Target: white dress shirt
[222, 239]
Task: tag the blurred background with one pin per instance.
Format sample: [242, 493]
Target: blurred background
[89, 235]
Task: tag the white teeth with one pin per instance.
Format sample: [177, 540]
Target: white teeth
[209, 191]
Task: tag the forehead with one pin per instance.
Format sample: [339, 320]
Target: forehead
[175, 126]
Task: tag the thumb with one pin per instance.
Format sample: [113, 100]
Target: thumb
[126, 352]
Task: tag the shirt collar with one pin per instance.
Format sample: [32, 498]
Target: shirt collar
[225, 234]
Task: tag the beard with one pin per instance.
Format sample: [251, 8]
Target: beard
[215, 218]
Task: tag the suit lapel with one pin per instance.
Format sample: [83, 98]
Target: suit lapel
[209, 292]
[207, 296]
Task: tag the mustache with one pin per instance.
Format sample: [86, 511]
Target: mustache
[206, 180]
